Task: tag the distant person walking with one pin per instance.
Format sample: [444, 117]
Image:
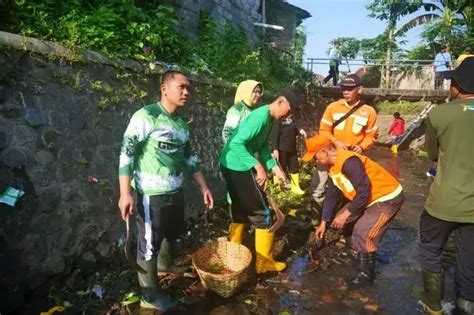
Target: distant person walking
[442, 62]
[335, 55]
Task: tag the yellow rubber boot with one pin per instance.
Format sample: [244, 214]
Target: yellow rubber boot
[276, 181]
[236, 231]
[394, 148]
[295, 184]
[263, 248]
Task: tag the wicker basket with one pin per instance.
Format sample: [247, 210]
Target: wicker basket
[232, 256]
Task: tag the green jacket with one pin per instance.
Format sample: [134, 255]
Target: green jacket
[156, 151]
[235, 115]
[250, 137]
[450, 142]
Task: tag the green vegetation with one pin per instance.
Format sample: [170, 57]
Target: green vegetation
[445, 22]
[404, 107]
[149, 31]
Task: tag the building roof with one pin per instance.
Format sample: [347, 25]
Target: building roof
[300, 13]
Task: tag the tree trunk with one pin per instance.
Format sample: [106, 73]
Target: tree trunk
[388, 59]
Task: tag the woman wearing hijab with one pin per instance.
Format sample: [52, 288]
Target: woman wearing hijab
[247, 96]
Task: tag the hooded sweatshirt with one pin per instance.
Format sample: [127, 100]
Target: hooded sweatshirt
[241, 109]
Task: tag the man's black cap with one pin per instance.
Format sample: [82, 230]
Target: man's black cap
[352, 80]
[463, 75]
[293, 95]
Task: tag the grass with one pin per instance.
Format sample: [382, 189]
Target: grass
[404, 107]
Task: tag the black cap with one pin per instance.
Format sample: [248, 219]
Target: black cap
[294, 96]
[352, 80]
[463, 75]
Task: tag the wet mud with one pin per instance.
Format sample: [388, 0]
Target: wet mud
[314, 282]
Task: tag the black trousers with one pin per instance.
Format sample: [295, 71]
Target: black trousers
[289, 162]
[434, 234]
[159, 217]
[333, 73]
[439, 80]
[249, 202]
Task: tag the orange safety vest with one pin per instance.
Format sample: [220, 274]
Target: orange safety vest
[360, 128]
[383, 186]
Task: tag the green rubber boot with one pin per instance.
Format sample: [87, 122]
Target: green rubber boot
[431, 294]
[166, 264]
[152, 295]
[464, 307]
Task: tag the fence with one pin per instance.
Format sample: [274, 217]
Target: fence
[398, 73]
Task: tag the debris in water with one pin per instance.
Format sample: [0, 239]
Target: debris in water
[371, 307]
[130, 298]
[292, 212]
[92, 179]
[326, 298]
[295, 292]
[98, 291]
[57, 308]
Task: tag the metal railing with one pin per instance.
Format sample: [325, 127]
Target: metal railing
[368, 62]
[396, 74]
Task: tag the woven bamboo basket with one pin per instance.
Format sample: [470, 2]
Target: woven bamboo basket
[231, 256]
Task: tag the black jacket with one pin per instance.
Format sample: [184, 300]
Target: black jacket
[283, 136]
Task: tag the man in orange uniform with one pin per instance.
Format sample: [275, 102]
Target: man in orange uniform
[374, 197]
[356, 132]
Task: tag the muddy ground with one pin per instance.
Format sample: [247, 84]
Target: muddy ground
[312, 284]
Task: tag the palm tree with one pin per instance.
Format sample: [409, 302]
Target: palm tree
[447, 12]
[391, 11]
[446, 15]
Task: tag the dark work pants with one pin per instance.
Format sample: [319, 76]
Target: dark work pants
[439, 80]
[289, 162]
[249, 202]
[368, 228]
[159, 217]
[333, 73]
[434, 234]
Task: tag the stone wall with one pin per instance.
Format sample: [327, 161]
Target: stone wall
[61, 122]
[241, 13]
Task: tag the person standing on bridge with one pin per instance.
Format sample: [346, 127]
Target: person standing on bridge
[156, 152]
[442, 62]
[334, 62]
[450, 203]
[349, 124]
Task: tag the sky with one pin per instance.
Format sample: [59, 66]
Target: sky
[342, 18]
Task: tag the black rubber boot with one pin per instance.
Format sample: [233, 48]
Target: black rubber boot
[166, 259]
[365, 271]
[464, 307]
[152, 295]
[432, 292]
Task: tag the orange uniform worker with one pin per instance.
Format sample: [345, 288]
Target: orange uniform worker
[356, 132]
[374, 197]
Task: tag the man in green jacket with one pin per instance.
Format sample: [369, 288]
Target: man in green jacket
[246, 176]
[156, 153]
[450, 204]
